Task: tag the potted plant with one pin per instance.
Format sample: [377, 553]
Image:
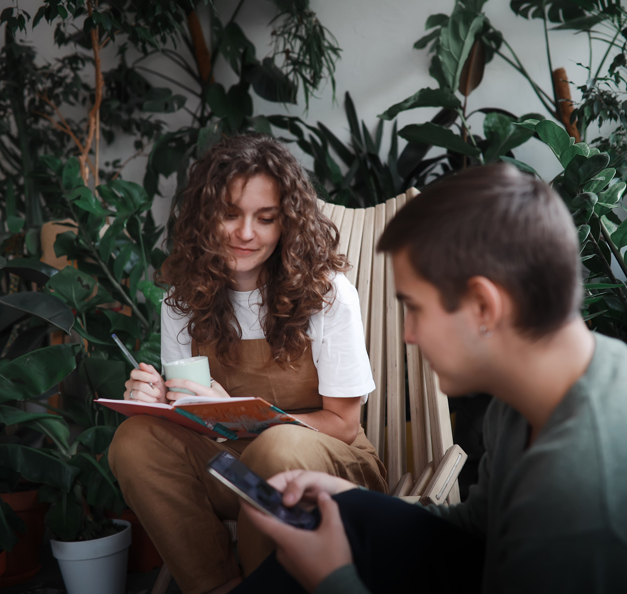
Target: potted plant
[71, 477]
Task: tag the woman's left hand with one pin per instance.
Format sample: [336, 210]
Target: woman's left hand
[216, 390]
[308, 555]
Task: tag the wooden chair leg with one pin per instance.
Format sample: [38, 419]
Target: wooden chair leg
[163, 581]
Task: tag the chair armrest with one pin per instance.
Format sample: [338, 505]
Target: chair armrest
[445, 476]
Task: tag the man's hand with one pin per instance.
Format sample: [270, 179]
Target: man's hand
[308, 555]
[304, 486]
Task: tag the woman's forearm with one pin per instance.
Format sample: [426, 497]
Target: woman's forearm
[332, 424]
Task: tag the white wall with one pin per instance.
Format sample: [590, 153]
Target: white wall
[379, 67]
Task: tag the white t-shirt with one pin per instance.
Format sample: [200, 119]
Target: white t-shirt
[338, 346]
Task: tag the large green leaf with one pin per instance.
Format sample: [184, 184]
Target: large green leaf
[31, 269]
[502, 136]
[424, 98]
[36, 372]
[10, 523]
[85, 199]
[46, 307]
[98, 483]
[76, 289]
[106, 376]
[582, 170]
[619, 237]
[456, 40]
[65, 516]
[555, 136]
[38, 466]
[153, 293]
[97, 439]
[71, 176]
[609, 198]
[600, 181]
[50, 425]
[438, 136]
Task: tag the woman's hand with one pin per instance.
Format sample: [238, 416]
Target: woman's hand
[216, 390]
[140, 385]
[308, 555]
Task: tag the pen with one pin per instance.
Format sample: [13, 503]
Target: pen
[127, 353]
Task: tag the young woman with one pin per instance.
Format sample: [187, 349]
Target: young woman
[257, 285]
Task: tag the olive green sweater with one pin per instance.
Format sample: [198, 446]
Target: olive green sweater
[554, 515]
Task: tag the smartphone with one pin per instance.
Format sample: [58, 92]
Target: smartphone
[253, 489]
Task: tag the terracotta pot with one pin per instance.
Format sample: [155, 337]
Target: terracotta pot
[22, 563]
[142, 556]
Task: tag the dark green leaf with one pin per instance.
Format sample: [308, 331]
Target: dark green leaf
[31, 269]
[619, 237]
[76, 289]
[46, 307]
[555, 136]
[106, 376]
[50, 425]
[84, 199]
[38, 466]
[502, 136]
[424, 98]
[438, 136]
[71, 177]
[36, 372]
[152, 293]
[97, 439]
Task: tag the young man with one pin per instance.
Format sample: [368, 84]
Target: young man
[486, 263]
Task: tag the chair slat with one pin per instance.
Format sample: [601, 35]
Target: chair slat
[364, 277]
[397, 455]
[354, 245]
[345, 230]
[439, 415]
[421, 436]
[327, 209]
[376, 344]
[337, 215]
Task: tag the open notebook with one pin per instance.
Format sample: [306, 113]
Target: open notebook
[218, 417]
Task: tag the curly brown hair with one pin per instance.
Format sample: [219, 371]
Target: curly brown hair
[298, 274]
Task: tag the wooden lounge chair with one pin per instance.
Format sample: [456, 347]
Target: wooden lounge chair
[429, 473]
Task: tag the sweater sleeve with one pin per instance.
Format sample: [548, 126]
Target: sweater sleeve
[472, 514]
[342, 581]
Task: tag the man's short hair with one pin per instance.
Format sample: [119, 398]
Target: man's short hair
[497, 222]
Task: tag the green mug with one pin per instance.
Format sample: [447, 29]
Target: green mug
[195, 369]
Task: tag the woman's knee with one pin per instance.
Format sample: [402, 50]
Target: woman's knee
[286, 447]
[133, 440]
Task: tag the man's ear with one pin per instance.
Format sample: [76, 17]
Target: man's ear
[487, 303]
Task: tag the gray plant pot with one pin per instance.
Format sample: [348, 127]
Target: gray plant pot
[95, 566]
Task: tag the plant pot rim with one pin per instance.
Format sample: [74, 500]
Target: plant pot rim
[93, 549]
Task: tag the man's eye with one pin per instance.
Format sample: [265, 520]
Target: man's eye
[230, 215]
[267, 221]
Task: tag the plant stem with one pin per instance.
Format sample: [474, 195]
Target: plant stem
[108, 274]
[608, 268]
[141, 244]
[615, 250]
[545, 99]
[607, 52]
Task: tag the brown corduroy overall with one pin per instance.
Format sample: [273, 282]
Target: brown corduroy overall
[161, 469]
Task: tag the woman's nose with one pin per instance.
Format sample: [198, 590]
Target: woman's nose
[245, 229]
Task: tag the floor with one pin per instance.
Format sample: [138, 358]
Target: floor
[49, 580]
